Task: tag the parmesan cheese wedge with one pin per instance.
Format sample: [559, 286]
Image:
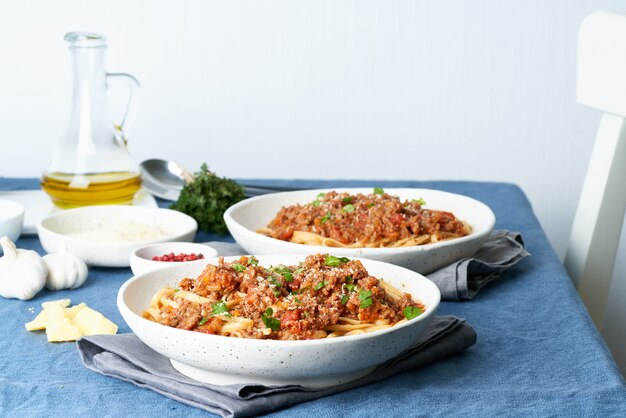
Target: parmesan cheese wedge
[64, 323]
[93, 322]
[63, 303]
[62, 330]
[50, 314]
[71, 312]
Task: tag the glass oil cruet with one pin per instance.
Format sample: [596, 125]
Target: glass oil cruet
[91, 165]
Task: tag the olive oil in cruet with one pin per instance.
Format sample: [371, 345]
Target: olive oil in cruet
[92, 165]
[69, 190]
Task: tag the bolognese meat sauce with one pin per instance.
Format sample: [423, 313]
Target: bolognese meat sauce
[285, 302]
[377, 218]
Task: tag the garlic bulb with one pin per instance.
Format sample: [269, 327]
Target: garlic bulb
[22, 272]
[65, 270]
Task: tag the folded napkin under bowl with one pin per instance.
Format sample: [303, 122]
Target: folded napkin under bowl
[125, 357]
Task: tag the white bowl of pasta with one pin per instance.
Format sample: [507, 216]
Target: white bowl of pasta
[392, 225]
[394, 314]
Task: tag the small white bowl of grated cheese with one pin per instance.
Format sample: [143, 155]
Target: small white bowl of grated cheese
[106, 235]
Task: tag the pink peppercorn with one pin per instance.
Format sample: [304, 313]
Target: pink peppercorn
[171, 257]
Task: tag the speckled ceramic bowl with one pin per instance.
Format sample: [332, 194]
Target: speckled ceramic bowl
[312, 363]
[83, 230]
[246, 217]
[141, 259]
[11, 219]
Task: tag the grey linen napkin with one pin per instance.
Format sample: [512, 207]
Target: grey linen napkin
[462, 279]
[125, 357]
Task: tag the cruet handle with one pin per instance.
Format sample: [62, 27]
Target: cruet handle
[133, 100]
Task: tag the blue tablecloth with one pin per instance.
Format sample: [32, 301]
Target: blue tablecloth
[538, 353]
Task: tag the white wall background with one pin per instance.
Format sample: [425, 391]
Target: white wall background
[489, 86]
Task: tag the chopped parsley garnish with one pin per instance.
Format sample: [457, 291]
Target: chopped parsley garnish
[411, 312]
[320, 285]
[347, 199]
[298, 271]
[202, 321]
[300, 291]
[176, 290]
[325, 218]
[219, 308]
[348, 208]
[344, 299]
[379, 190]
[332, 261]
[350, 287]
[349, 279]
[285, 272]
[298, 301]
[419, 201]
[371, 205]
[268, 321]
[252, 260]
[365, 296]
[273, 281]
[239, 267]
[318, 200]
[276, 292]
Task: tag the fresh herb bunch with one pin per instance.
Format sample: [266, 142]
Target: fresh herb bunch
[207, 198]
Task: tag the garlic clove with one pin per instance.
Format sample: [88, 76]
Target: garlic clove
[65, 270]
[22, 272]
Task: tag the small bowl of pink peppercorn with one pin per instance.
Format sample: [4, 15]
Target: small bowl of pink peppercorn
[156, 256]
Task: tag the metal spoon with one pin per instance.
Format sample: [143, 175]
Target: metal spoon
[165, 179]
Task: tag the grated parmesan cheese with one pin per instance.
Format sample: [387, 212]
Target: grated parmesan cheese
[120, 231]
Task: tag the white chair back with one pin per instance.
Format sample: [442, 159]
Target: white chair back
[601, 84]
